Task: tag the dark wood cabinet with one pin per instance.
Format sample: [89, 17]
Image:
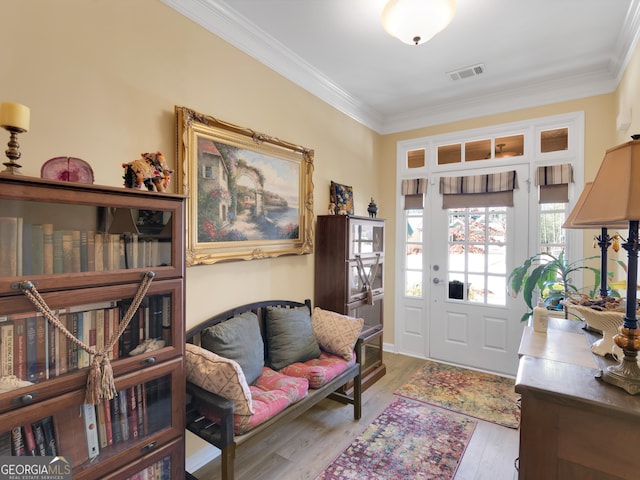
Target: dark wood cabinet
[86, 249]
[349, 279]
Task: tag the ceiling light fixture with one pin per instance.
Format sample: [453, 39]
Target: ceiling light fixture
[417, 21]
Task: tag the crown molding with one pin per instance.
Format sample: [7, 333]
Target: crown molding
[224, 22]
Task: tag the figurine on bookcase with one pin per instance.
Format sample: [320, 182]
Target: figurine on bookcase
[150, 171]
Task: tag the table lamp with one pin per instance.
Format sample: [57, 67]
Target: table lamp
[614, 197]
[14, 118]
[603, 240]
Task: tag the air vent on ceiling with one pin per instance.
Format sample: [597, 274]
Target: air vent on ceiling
[467, 72]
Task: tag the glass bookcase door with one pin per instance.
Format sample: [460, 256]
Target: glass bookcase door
[60, 239]
[367, 271]
[140, 418]
[164, 463]
[366, 237]
[44, 361]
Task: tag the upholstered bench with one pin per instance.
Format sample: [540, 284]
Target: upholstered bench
[254, 367]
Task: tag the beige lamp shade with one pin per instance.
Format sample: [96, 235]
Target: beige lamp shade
[570, 222]
[614, 196]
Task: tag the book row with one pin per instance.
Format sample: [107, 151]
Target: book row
[160, 470]
[33, 349]
[133, 413]
[36, 249]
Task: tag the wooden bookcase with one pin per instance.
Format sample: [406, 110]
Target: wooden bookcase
[349, 279]
[86, 249]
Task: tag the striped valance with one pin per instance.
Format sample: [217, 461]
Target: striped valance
[414, 185]
[554, 181]
[488, 190]
[554, 174]
[413, 191]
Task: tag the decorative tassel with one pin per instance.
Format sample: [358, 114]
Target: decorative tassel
[100, 383]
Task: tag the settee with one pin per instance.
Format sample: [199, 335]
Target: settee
[254, 367]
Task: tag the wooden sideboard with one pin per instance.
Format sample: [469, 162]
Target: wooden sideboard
[573, 426]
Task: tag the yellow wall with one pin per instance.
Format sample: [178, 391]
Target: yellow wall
[102, 78]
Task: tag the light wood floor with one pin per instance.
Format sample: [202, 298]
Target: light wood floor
[304, 447]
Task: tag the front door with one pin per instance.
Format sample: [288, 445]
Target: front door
[473, 320]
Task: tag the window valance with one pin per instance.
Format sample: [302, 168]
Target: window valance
[413, 191]
[488, 190]
[554, 181]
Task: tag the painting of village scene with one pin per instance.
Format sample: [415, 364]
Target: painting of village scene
[244, 195]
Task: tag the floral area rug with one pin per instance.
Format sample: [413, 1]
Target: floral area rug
[480, 395]
[409, 440]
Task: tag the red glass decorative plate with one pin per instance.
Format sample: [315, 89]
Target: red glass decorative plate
[67, 169]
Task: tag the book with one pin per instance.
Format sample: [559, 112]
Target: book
[76, 251]
[41, 348]
[62, 347]
[29, 440]
[32, 361]
[91, 251]
[27, 249]
[124, 413]
[41, 443]
[37, 249]
[19, 347]
[58, 255]
[84, 252]
[91, 430]
[132, 412]
[47, 248]
[9, 251]
[6, 353]
[67, 251]
[102, 426]
[115, 420]
[106, 406]
[17, 442]
[98, 241]
[50, 436]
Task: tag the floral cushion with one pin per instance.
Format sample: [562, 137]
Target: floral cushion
[218, 375]
[336, 333]
[271, 394]
[319, 371]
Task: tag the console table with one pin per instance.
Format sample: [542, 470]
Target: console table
[573, 425]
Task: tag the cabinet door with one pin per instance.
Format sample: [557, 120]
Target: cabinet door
[372, 314]
[366, 237]
[147, 413]
[165, 463]
[49, 363]
[63, 236]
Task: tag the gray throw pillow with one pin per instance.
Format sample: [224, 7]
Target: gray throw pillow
[238, 339]
[289, 336]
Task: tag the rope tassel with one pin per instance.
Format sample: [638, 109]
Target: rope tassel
[100, 381]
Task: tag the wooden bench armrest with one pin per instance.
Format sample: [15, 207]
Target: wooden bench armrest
[218, 434]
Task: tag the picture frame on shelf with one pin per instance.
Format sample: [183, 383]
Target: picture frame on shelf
[249, 195]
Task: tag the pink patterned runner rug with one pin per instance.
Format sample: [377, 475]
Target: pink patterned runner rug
[408, 440]
[481, 395]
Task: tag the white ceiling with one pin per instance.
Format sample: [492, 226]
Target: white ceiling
[535, 52]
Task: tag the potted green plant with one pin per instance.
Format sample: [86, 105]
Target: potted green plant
[551, 276]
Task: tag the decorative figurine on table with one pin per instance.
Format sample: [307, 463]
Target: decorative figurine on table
[372, 208]
[332, 209]
[150, 171]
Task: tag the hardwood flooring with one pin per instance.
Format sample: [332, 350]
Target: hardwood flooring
[304, 447]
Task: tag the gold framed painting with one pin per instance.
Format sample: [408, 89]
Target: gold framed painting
[249, 195]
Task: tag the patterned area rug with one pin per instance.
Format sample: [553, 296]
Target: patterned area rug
[480, 395]
[409, 440]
